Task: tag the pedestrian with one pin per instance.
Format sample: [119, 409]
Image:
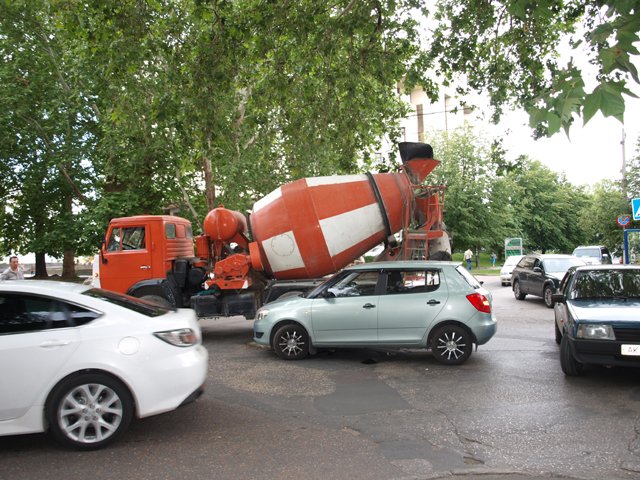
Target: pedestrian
[468, 255]
[493, 259]
[14, 272]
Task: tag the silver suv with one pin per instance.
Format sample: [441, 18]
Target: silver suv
[593, 254]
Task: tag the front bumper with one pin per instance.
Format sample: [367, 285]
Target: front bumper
[601, 352]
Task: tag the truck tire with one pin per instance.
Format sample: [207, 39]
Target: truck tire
[517, 292]
[157, 299]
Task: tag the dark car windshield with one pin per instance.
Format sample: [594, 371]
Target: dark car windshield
[606, 284]
[126, 301]
[560, 264]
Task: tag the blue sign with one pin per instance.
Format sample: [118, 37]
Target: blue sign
[635, 208]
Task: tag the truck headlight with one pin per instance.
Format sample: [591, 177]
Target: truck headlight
[263, 312]
[595, 331]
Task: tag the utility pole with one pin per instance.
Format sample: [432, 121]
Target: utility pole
[624, 166]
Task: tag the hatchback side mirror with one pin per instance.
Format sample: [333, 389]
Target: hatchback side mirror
[557, 298]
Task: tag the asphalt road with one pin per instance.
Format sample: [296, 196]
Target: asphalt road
[508, 413]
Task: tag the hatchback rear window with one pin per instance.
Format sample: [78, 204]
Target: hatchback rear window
[128, 302]
[470, 279]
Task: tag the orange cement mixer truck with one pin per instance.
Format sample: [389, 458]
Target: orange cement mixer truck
[295, 235]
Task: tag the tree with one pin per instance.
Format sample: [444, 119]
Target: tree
[546, 206]
[598, 218]
[477, 212]
[508, 49]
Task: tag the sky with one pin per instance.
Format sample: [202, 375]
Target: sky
[590, 154]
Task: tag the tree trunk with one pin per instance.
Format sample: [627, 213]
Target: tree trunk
[41, 265]
[68, 264]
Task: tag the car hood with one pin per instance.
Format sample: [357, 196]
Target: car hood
[556, 275]
[606, 310]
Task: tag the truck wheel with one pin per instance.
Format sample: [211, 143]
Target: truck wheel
[157, 299]
[89, 411]
[516, 291]
[570, 366]
[291, 342]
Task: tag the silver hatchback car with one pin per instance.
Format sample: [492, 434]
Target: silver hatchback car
[401, 304]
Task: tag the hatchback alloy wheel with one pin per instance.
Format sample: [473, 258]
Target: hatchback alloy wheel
[451, 345]
[291, 342]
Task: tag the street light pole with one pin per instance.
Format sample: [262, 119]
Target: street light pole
[624, 166]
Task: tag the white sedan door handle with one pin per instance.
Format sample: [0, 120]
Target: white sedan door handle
[54, 343]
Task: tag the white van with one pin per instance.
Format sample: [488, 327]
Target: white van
[593, 254]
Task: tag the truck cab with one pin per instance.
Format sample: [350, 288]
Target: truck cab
[140, 251]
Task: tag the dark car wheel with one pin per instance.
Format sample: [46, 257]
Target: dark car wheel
[548, 291]
[570, 366]
[291, 342]
[89, 411]
[516, 291]
[558, 332]
[451, 345]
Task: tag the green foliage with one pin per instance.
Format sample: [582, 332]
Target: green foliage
[508, 49]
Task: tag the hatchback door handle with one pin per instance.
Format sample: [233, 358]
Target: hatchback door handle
[145, 267]
[433, 302]
[368, 305]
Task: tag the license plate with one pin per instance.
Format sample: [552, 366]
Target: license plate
[630, 350]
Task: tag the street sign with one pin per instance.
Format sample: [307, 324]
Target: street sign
[512, 246]
[635, 208]
[623, 220]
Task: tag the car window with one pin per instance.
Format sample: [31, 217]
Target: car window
[411, 281]
[526, 263]
[131, 303]
[606, 284]
[131, 238]
[587, 252]
[561, 264]
[470, 279]
[565, 282]
[355, 284]
[26, 313]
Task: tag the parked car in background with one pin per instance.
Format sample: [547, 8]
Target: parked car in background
[593, 254]
[507, 268]
[400, 304]
[597, 317]
[81, 362]
[540, 275]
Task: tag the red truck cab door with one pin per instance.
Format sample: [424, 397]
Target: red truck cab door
[126, 257]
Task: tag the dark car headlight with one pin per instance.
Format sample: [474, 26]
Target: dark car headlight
[595, 331]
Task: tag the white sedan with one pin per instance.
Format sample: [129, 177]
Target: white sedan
[82, 362]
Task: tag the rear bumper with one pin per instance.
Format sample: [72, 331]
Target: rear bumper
[485, 331]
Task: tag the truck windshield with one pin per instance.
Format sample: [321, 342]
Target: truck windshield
[126, 301]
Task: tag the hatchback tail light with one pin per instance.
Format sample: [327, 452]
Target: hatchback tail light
[480, 302]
